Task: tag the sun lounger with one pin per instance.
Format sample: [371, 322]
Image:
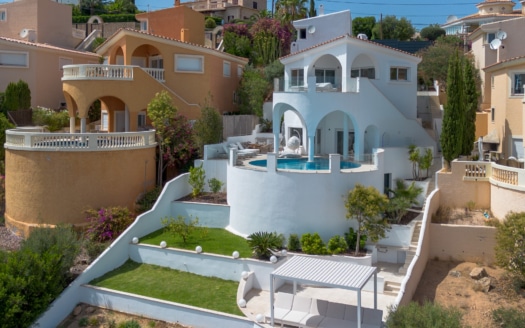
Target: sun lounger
[281, 306]
[335, 315]
[241, 147]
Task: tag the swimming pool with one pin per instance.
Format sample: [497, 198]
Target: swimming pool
[303, 164]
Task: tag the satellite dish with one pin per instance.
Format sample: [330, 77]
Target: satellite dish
[362, 36]
[452, 18]
[495, 44]
[24, 33]
[502, 35]
[311, 29]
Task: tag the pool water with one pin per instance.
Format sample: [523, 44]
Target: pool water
[303, 164]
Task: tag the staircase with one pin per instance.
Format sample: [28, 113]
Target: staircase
[411, 252]
[392, 288]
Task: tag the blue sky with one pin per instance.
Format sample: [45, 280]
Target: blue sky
[420, 12]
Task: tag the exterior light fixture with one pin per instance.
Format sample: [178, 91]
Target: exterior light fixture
[163, 244]
[135, 240]
[235, 255]
[198, 249]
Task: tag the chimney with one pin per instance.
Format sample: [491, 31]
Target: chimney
[177, 3]
[321, 10]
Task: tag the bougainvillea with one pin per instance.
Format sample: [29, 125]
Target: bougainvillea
[106, 224]
[182, 148]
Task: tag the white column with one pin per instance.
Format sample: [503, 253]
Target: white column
[276, 127]
[345, 137]
[311, 151]
[71, 125]
[82, 125]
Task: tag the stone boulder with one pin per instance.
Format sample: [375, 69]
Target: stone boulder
[478, 273]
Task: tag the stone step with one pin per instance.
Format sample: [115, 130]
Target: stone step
[392, 288]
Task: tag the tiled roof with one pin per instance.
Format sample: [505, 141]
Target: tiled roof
[349, 37]
[47, 46]
[505, 61]
[164, 38]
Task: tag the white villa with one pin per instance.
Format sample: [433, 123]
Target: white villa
[345, 99]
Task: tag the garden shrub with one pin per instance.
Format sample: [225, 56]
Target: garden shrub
[215, 185]
[179, 227]
[510, 243]
[31, 278]
[196, 180]
[351, 239]
[293, 243]
[107, 224]
[337, 245]
[210, 23]
[313, 244]
[508, 318]
[54, 120]
[146, 202]
[62, 238]
[264, 243]
[129, 324]
[429, 315]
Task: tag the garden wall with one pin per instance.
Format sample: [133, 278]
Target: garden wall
[505, 200]
[462, 243]
[161, 310]
[419, 262]
[457, 192]
[211, 216]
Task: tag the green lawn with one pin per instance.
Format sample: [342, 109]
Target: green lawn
[173, 285]
[216, 241]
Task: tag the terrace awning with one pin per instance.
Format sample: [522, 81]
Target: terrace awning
[323, 272]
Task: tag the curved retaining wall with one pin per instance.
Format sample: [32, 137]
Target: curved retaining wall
[52, 187]
[294, 202]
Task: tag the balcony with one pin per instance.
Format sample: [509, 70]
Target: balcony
[107, 72]
[24, 140]
[286, 85]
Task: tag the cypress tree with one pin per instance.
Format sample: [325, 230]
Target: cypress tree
[471, 95]
[453, 117]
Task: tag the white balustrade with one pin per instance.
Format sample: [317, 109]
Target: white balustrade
[156, 73]
[78, 141]
[97, 72]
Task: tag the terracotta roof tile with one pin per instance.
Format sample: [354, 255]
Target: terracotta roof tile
[48, 46]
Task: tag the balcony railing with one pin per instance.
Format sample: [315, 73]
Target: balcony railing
[107, 72]
[512, 177]
[23, 140]
[287, 85]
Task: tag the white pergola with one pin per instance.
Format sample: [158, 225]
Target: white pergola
[316, 271]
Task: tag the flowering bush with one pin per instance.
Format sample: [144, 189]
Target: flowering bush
[54, 120]
[106, 224]
[181, 148]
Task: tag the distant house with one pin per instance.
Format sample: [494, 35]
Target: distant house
[36, 41]
[63, 174]
[502, 73]
[489, 11]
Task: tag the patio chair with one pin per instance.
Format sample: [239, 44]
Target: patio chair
[227, 151]
[315, 315]
[300, 309]
[247, 152]
[281, 306]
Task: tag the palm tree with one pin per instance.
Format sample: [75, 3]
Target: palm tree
[290, 10]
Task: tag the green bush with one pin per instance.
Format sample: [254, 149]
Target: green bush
[429, 315]
[54, 120]
[62, 239]
[16, 96]
[264, 243]
[106, 224]
[94, 248]
[180, 227]
[508, 318]
[196, 180]
[210, 23]
[510, 243]
[129, 324]
[293, 243]
[30, 281]
[351, 239]
[337, 245]
[313, 244]
[215, 185]
[146, 202]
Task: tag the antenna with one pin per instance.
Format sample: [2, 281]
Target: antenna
[311, 29]
[495, 44]
[502, 35]
[24, 33]
[362, 36]
[452, 18]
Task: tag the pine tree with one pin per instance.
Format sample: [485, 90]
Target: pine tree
[471, 95]
[454, 118]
